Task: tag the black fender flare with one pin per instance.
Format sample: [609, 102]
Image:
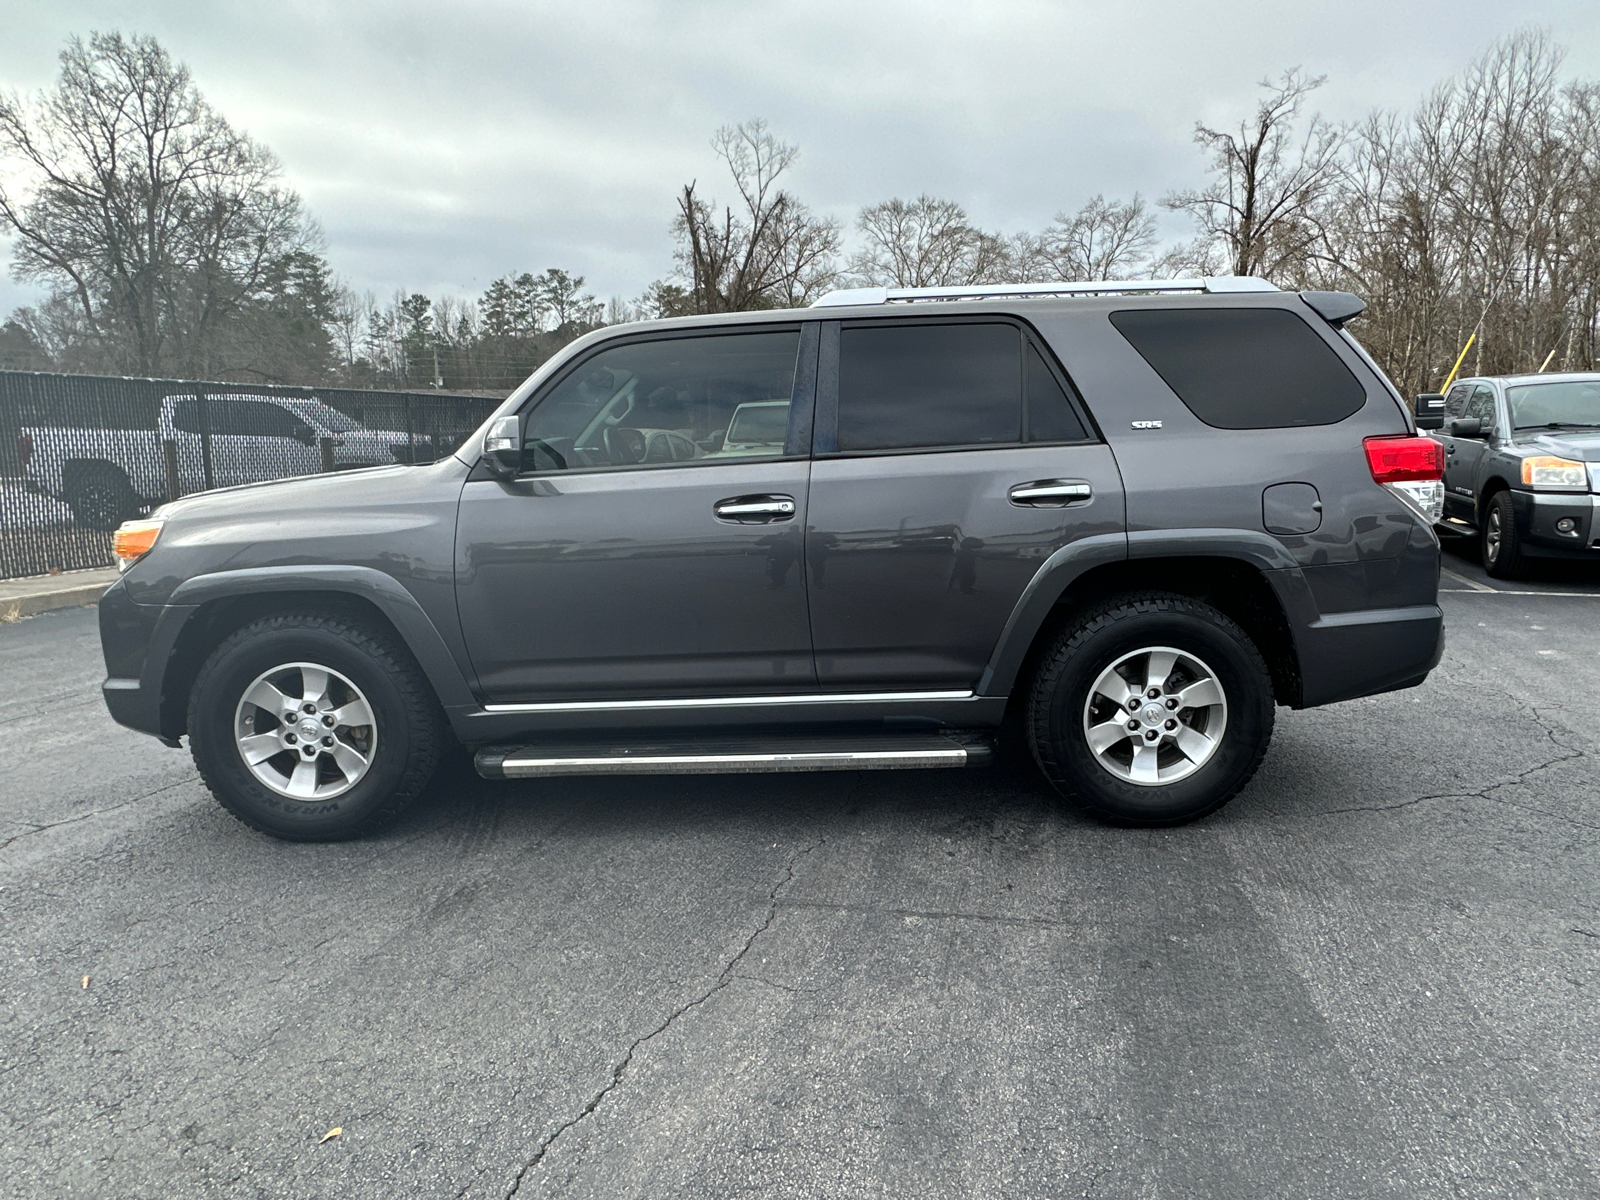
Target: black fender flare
[1058, 572]
[385, 592]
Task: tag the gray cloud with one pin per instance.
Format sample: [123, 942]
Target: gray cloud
[441, 146]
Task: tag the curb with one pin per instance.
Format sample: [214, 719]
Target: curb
[25, 597]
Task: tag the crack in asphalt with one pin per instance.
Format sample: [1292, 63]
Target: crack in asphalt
[923, 914]
[724, 978]
[1551, 731]
[99, 812]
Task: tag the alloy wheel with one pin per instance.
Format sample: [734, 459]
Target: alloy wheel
[1155, 716]
[305, 731]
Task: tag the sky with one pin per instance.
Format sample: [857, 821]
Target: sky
[441, 146]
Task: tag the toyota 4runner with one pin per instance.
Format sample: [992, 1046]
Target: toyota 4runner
[1139, 514]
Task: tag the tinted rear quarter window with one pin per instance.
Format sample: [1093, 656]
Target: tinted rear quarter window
[1244, 368]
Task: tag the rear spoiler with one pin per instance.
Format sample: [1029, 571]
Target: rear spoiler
[1334, 307]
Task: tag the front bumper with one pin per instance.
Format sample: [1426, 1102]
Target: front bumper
[137, 641]
[1537, 514]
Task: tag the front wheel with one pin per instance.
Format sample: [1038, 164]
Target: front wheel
[313, 727]
[1150, 710]
[1502, 547]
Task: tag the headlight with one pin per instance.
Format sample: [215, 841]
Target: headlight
[1547, 471]
[133, 540]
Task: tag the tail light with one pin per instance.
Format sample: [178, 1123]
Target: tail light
[1412, 468]
[24, 448]
[1405, 459]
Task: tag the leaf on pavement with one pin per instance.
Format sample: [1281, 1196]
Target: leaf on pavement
[331, 1134]
[85, 981]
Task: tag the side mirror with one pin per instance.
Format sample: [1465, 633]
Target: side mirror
[502, 447]
[1466, 427]
[1430, 410]
[304, 434]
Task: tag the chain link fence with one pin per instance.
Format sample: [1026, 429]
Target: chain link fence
[80, 454]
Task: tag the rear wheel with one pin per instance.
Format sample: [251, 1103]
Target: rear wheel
[1502, 548]
[313, 727]
[1150, 710]
[101, 497]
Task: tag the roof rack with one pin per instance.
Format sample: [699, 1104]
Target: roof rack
[884, 295]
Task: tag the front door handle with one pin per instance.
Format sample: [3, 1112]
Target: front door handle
[1051, 493]
[755, 510]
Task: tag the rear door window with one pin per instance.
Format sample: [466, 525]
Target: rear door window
[1244, 368]
[1051, 417]
[909, 386]
[252, 418]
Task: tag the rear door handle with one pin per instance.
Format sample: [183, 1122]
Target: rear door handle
[1051, 493]
[755, 510]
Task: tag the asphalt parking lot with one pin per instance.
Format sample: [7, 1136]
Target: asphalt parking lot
[1374, 974]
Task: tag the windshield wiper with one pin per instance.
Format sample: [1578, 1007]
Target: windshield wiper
[1562, 425]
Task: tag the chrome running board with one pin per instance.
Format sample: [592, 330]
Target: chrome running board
[767, 701]
[759, 753]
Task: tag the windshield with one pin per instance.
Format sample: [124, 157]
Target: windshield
[1567, 402]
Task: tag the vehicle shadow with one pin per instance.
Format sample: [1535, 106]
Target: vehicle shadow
[1462, 554]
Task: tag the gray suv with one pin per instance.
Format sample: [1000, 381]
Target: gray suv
[1136, 515]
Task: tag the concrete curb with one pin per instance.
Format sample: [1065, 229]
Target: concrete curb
[40, 593]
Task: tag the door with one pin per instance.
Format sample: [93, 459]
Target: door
[951, 462]
[226, 440]
[1455, 405]
[642, 552]
[254, 438]
[1463, 456]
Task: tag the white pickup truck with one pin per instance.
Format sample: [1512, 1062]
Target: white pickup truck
[108, 475]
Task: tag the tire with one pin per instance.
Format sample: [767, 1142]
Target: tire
[101, 497]
[1136, 634]
[330, 798]
[1501, 545]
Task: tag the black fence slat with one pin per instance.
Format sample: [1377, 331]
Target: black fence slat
[81, 453]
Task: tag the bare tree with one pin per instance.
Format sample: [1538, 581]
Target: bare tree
[1105, 239]
[141, 206]
[1268, 182]
[1476, 216]
[769, 252]
[926, 242]
[351, 312]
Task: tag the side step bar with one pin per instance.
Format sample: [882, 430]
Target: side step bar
[757, 753]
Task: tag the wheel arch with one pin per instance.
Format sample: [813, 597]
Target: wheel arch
[220, 603]
[1223, 568]
[1492, 487]
[71, 468]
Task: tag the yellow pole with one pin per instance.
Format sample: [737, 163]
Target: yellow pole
[1463, 358]
[1549, 357]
